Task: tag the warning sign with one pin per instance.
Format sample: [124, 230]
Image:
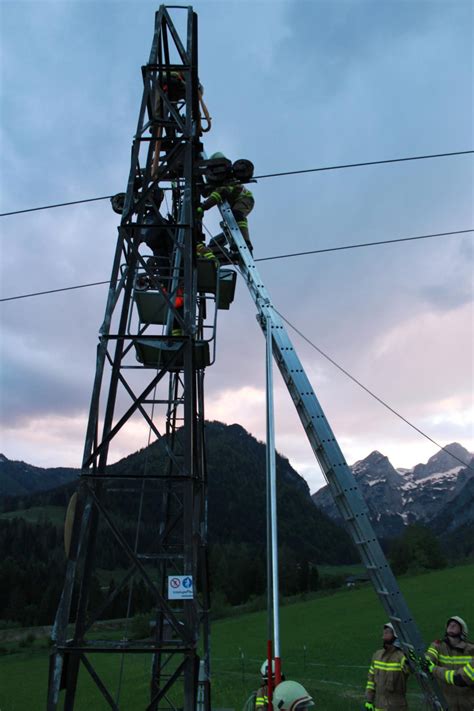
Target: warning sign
[180, 587]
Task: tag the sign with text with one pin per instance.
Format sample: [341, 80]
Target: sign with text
[180, 587]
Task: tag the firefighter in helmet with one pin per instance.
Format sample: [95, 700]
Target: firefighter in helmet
[452, 664]
[261, 698]
[240, 199]
[387, 678]
[291, 696]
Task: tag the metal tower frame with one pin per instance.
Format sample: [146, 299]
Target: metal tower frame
[165, 153]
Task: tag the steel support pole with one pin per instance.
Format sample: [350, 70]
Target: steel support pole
[271, 467]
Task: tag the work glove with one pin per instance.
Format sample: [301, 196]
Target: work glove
[368, 706]
[199, 211]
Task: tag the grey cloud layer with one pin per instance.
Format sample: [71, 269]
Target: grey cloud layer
[330, 82]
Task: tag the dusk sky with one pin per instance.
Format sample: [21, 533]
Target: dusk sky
[290, 85]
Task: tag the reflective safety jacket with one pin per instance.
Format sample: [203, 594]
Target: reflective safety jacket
[261, 699]
[231, 193]
[387, 680]
[455, 672]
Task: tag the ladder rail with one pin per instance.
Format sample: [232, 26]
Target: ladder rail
[337, 473]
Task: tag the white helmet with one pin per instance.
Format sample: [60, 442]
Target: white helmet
[462, 624]
[390, 627]
[291, 696]
[264, 669]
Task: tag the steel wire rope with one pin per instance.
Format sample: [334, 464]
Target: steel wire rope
[355, 380]
[363, 164]
[264, 259]
[370, 392]
[268, 175]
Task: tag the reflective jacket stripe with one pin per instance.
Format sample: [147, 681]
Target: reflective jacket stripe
[388, 666]
[454, 659]
[433, 652]
[449, 676]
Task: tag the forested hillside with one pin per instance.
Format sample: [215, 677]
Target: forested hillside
[31, 551]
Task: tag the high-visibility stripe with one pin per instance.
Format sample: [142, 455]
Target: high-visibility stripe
[433, 651]
[457, 659]
[370, 685]
[242, 223]
[469, 671]
[217, 196]
[449, 676]
[388, 666]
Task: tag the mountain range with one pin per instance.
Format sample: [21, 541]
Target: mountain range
[237, 499]
[439, 493]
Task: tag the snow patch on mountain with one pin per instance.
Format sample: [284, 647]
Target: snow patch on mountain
[398, 497]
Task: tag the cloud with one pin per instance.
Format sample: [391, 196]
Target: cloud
[334, 40]
[304, 84]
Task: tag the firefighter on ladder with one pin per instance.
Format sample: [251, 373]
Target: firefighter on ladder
[451, 663]
[241, 202]
[387, 678]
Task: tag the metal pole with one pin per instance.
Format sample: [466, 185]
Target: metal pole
[269, 564]
[273, 503]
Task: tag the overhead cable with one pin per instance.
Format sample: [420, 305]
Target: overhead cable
[362, 244]
[59, 204]
[268, 175]
[264, 259]
[370, 392]
[54, 291]
[360, 165]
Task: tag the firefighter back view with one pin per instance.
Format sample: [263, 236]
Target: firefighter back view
[291, 696]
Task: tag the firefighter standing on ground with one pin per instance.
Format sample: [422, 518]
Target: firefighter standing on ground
[452, 665]
[291, 696]
[387, 679]
[261, 698]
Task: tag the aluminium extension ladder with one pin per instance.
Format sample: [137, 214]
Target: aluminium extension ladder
[337, 473]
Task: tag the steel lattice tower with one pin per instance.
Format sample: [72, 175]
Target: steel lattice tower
[165, 388]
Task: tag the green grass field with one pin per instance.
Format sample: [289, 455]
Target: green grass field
[326, 644]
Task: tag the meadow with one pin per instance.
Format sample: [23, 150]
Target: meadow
[327, 643]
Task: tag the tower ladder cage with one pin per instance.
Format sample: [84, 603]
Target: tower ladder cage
[146, 376]
[337, 473]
